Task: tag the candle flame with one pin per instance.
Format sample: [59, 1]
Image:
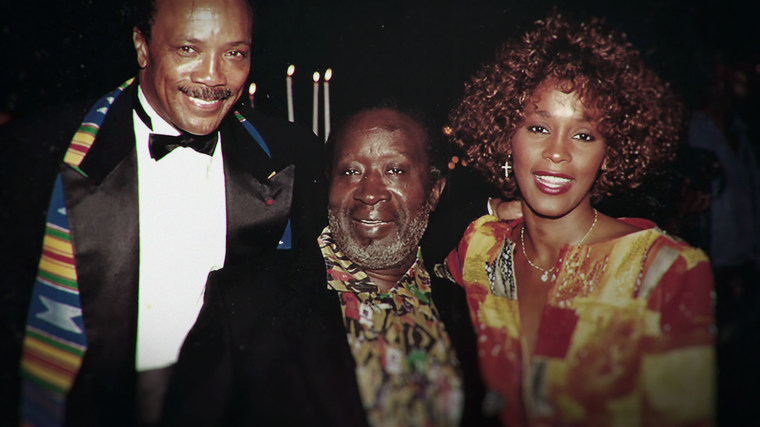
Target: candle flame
[328, 74]
[291, 70]
[252, 89]
[315, 76]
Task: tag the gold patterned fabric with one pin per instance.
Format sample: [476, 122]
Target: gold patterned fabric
[626, 336]
[406, 368]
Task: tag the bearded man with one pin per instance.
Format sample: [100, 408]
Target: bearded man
[382, 189]
[373, 344]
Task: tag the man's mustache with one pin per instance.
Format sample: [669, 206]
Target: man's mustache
[207, 93]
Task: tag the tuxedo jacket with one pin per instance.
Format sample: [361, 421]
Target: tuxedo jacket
[102, 206]
[270, 348]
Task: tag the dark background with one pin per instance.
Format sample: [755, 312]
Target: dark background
[58, 53]
[59, 56]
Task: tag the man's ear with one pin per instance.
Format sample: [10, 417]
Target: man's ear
[436, 191]
[141, 47]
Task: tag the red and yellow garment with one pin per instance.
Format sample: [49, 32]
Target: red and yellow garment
[626, 336]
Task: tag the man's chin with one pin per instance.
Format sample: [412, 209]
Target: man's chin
[376, 254]
[367, 240]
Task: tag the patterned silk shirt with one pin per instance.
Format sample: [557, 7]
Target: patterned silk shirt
[626, 337]
[406, 368]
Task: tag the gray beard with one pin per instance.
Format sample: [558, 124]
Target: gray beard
[379, 255]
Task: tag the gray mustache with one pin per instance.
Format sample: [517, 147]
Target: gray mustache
[207, 93]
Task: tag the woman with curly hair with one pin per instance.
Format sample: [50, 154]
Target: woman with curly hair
[582, 318]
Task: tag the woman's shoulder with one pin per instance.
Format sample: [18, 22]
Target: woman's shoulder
[611, 229]
[482, 239]
[646, 235]
[488, 230]
[490, 224]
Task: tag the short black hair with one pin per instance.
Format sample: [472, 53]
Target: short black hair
[437, 148]
[144, 16]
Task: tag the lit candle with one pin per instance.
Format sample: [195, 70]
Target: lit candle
[315, 105]
[289, 87]
[326, 85]
[251, 91]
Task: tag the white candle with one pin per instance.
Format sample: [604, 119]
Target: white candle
[315, 104]
[251, 91]
[326, 85]
[289, 88]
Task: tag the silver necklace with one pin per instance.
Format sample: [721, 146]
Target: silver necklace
[545, 275]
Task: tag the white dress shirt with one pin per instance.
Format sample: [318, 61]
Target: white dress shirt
[183, 229]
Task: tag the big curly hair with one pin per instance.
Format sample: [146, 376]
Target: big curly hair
[638, 114]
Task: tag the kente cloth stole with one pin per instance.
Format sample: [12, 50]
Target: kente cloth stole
[55, 341]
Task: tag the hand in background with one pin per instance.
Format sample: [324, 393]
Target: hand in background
[506, 210]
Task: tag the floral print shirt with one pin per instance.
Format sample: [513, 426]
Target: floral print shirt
[406, 368]
[626, 336]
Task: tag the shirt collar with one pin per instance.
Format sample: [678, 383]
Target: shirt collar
[344, 275]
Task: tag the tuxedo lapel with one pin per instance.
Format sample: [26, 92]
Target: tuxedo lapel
[101, 201]
[325, 359]
[259, 194]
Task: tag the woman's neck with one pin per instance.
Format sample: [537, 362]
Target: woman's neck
[544, 237]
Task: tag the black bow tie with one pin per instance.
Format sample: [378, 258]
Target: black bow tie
[161, 145]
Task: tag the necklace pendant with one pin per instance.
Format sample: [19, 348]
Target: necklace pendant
[545, 276]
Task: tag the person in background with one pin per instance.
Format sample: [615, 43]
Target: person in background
[730, 227]
[169, 177]
[582, 318]
[734, 210]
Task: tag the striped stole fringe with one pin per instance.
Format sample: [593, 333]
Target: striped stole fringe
[55, 342]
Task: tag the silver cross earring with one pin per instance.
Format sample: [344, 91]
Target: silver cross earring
[507, 167]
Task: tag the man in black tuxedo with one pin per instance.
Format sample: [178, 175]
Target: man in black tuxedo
[169, 177]
[354, 334]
